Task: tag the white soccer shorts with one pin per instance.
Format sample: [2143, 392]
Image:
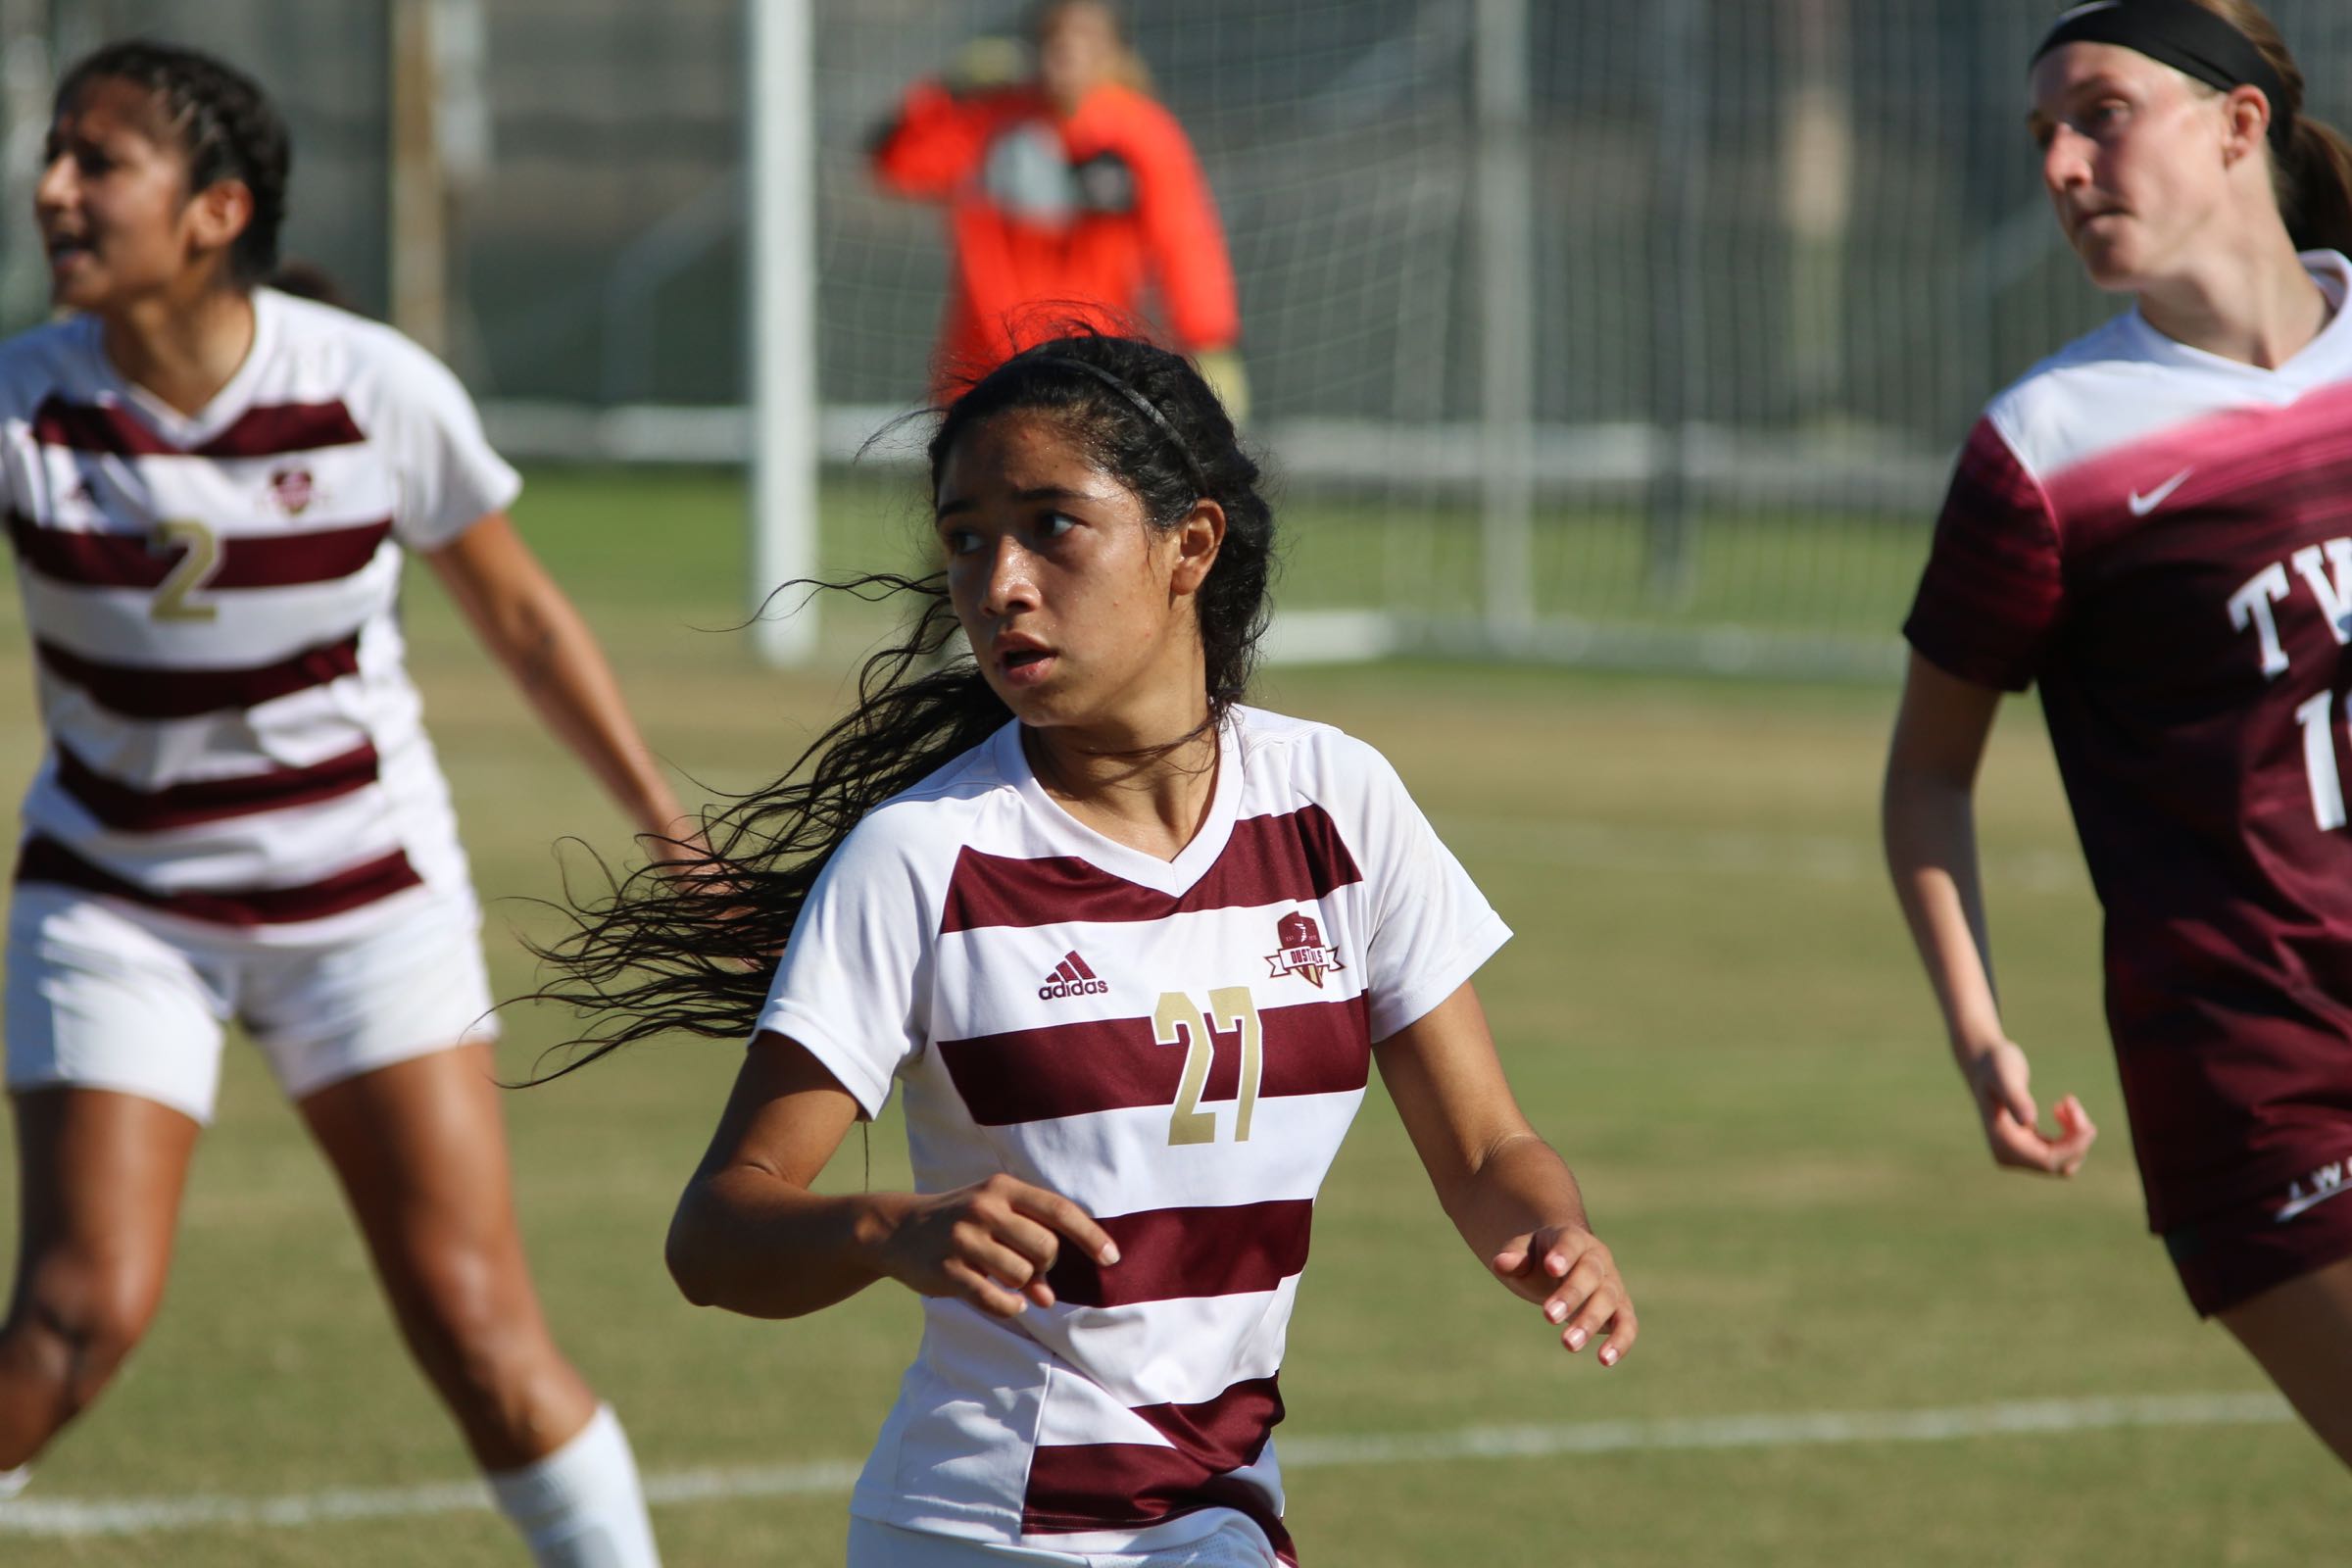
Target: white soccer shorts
[103, 996]
[874, 1544]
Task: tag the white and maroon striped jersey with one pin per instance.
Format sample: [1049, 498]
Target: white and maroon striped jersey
[232, 737]
[1177, 1046]
[2162, 539]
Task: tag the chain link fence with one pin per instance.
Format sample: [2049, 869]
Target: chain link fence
[1778, 252]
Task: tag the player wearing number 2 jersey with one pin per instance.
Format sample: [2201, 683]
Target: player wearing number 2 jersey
[210, 598]
[2156, 526]
[1131, 949]
[209, 488]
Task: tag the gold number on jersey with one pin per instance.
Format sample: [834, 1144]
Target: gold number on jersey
[192, 572]
[1176, 1021]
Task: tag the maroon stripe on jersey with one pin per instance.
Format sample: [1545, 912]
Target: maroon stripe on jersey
[1132, 1486]
[1297, 857]
[130, 809]
[1225, 1433]
[275, 430]
[1994, 583]
[45, 859]
[138, 690]
[1174, 1255]
[247, 560]
[1074, 1069]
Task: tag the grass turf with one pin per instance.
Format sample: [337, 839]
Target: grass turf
[1710, 1006]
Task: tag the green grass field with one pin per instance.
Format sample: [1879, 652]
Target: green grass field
[1710, 1006]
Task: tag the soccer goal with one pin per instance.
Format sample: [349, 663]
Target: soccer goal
[1575, 330]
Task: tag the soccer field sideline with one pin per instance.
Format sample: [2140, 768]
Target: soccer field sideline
[71, 1518]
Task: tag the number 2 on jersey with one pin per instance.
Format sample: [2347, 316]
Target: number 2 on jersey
[1176, 1021]
[187, 574]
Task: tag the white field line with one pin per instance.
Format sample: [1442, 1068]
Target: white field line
[1587, 846]
[123, 1516]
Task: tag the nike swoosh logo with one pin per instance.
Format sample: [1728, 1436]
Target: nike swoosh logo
[2141, 505]
[2288, 1211]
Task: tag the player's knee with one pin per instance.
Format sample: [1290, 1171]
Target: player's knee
[77, 1318]
[474, 1329]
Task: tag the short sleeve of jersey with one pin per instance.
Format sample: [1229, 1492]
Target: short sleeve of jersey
[853, 985]
[449, 478]
[1994, 582]
[1430, 928]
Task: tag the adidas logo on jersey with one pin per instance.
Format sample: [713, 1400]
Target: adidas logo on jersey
[1072, 978]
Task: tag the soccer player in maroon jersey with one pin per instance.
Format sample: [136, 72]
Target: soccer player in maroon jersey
[1129, 951]
[209, 485]
[2155, 525]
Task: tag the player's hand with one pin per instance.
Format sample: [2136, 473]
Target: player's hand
[1999, 1078]
[1568, 1271]
[990, 1243]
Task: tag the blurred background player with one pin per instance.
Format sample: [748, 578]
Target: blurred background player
[209, 485]
[1070, 194]
[1133, 949]
[2156, 525]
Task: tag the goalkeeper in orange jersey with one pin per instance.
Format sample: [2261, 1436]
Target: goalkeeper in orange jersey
[1071, 191]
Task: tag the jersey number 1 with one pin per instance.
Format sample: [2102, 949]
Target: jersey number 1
[1177, 1022]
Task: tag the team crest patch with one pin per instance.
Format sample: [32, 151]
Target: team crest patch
[292, 490]
[1302, 951]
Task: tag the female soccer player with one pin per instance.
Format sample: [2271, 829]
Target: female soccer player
[1131, 949]
[209, 486]
[2156, 524]
[1067, 195]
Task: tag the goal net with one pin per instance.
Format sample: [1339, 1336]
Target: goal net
[1633, 334]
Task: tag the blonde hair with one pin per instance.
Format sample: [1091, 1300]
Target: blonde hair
[1129, 71]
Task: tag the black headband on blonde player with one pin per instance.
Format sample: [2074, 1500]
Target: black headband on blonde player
[2184, 35]
[222, 122]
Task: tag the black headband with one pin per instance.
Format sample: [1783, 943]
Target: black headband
[1144, 406]
[2185, 36]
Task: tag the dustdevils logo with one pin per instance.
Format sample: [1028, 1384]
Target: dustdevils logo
[1302, 951]
[291, 488]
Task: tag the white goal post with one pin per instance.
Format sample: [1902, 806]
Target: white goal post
[781, 280]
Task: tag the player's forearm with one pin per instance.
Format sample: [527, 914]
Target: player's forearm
[752, 1242]
[1520, 1186]
[556, 663]
[1931, 840]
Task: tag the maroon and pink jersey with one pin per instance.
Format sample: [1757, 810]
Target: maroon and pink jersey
[232, 738]
[1178, 1046]
[2162, 539]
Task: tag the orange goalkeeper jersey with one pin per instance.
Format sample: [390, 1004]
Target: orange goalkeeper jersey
[1056, 220]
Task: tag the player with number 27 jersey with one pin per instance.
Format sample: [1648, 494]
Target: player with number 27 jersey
[211, 599]
[2161, 538]
[1177, 1046]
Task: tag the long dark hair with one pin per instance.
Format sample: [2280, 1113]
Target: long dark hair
[692, 949]
[222, 123]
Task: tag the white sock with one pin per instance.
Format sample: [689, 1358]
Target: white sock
[581, 1507]
[14, 1480]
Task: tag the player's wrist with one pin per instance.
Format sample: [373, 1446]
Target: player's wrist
[1975, 1042]
[875, 1222]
